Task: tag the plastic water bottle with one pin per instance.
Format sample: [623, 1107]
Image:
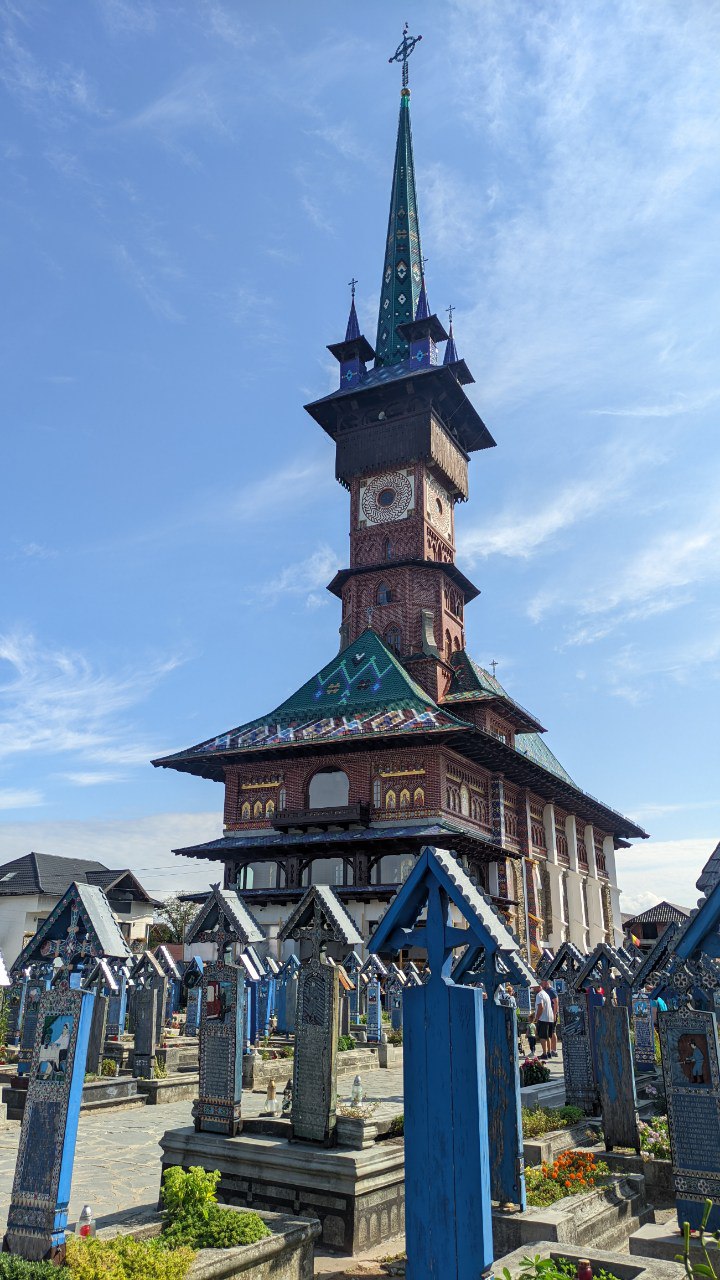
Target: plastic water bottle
[86, 1222]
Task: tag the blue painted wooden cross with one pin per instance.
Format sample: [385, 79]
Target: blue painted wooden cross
[447, 1164]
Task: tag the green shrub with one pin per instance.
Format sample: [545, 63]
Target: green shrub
[345, 1043]
[14, 1268]
[193, 1217]
[160, 1069]
[395, 1037]
[107, 1067]
[124, 1258]
[539, 1268]
[397, 1126]
[540, 1120]
[533, 1071]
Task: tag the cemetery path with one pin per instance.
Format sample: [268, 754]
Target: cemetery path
[117, 1161]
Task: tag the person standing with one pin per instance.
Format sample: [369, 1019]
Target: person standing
[548, 986]
[544, 1020]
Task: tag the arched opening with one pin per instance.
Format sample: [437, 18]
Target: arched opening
[384, 594]
[457, 644]
[393, 639]
[282, 797]
[448, 645]
[329, 789]
[465, 802]
[387, 549]
[377, 793]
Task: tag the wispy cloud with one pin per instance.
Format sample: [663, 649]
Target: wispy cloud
[672, 865]
[91, 779]
[304, 578]
[33, 551]
[55, 702]
[145, 281]
[66, 89]
[522, 530]
[670, 409]
[128, 17]
[194, 101]
[25, 799]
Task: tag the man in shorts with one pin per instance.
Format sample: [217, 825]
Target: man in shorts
[548, 986]
[544, 1020]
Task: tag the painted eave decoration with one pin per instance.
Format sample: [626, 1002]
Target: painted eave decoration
[96, 931]
[338, 921]
[592, 965]
[564, 964]
[224, 906]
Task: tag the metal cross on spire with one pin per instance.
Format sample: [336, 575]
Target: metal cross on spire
[450, 310]
[493, 664]
[352, 284]
[403, 51]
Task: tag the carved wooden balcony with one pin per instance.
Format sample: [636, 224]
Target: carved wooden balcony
[348, 815]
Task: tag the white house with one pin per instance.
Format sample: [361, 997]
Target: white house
[31, 886]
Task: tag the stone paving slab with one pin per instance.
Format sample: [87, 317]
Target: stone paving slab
[117, 1161]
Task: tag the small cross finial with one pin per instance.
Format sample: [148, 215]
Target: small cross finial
[352, 284]
[494, 665]
[450, 310]
[403, 51]
[424, 261]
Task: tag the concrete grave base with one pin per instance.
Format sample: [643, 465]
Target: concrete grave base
[285, 1255]
[617, 1263]
[551, 1144]
[358, 1195]
[663, 1240]
[113, 1093]
[602, 1219]
[172, 1088]
[658, 1175]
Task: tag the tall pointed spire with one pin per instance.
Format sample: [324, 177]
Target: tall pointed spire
[451, 354]
[402, 269]
[353, 328]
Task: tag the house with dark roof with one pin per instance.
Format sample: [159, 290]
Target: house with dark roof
[32, 885]
[644, 929]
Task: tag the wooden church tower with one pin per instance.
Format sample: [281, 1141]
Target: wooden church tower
[401, 740]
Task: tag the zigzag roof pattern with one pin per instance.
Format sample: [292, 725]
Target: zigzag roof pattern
[339, 921]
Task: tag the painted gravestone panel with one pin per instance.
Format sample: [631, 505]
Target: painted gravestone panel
[29, 1026]
[291, 995]
[192, 1017]
[395, 998]
[43, 1173]
[507, 1163]
[689, 1043]
[217, 1109]
[145, 1005]
[96, 1042]
[616, 1078]
[117, 1008]
[314, 1069]
[374, 1011]
[580, 1088]
[644, 1033]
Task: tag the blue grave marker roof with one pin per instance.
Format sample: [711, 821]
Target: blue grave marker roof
[339, 922]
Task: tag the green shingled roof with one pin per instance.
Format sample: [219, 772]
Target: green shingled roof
[363, 691]
[533, 746]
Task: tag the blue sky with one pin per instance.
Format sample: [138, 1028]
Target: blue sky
[187, 189]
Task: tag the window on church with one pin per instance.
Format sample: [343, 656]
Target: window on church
[465, 802]
[377, 793]
[246, 811]
[393, 639]
[329, 789]
[245, 878]
[258, 809]
[387, 549]
[419, 798]
[457, 644]
[282, 798]
[448, 645]
[390, 800]
[404, 798]
[384, 594]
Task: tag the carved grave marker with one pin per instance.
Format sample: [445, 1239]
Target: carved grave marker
[616, 1078]
[217, 1108]
[580, 1087]
[37, 1216]
[689, 1042]
[145, 1005]
[644, 1028]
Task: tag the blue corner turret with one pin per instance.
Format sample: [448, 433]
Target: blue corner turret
[451, 355]
[354, 353]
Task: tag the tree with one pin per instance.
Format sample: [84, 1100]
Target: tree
[172, 920]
